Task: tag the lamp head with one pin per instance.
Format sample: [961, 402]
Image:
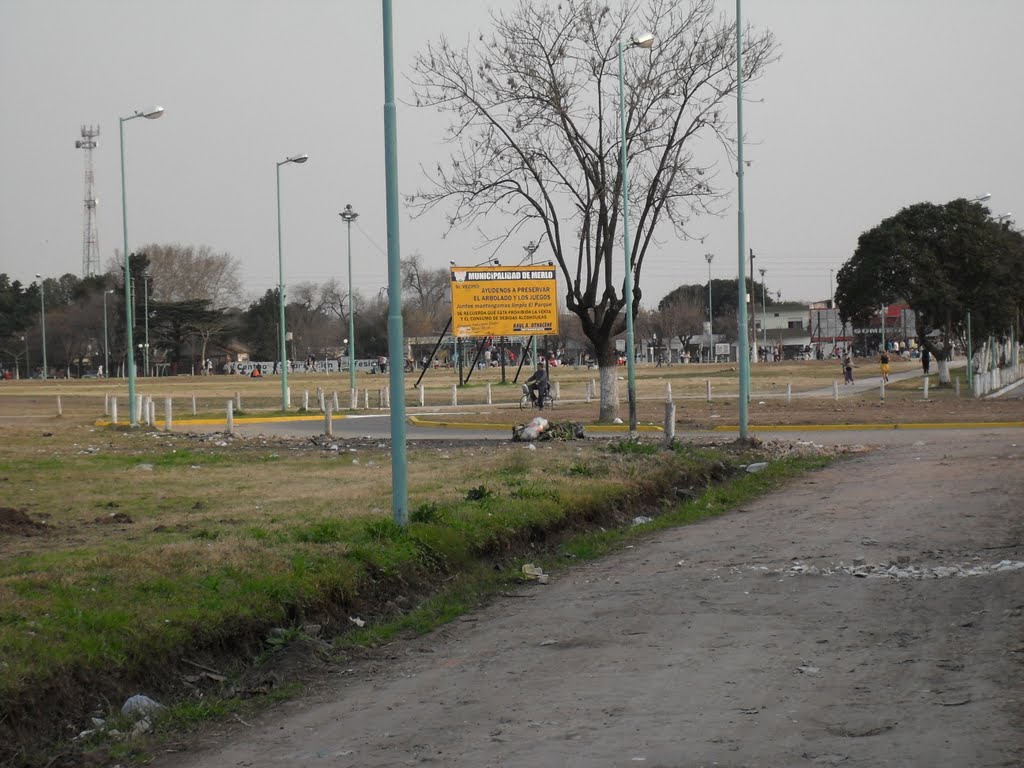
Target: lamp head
[295, 159]
[152, 114]
[709, 257]
[643, 40]
[348, 214]
[38, 275]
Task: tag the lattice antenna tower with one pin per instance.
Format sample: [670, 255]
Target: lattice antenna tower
[90, 236]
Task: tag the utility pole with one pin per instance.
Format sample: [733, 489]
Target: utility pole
[752, 331]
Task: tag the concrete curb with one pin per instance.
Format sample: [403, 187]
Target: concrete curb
[875, 427]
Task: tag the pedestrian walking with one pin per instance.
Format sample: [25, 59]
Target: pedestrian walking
[847, 369]
[926, 360]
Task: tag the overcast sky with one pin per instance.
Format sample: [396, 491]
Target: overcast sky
[874, 105]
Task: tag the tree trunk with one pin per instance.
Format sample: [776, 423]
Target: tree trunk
[608, 364]
[609, 393]
[943, 366]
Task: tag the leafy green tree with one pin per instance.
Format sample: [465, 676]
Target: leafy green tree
[945, 261]
[260, 327]
[536, 141]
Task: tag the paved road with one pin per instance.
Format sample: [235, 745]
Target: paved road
[718, 645]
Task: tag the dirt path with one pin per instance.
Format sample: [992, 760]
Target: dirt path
[717, 644]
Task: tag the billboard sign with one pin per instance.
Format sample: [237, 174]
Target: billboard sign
[504, 301]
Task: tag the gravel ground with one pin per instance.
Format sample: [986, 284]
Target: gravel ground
[870, 614]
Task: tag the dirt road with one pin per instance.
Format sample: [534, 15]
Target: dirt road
[739, 641]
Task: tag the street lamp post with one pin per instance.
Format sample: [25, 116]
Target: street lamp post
[645, 40]
[28, 367]
[348, 216]
[42, 320]
[396, 334]
[764, 312]
[152, 114]
[531, 248]
[741, 283]
[711, 332]
[145, 310]
[299, 159]
[106, 338]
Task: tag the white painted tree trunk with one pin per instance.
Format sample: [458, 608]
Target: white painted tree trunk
[609, 393]
[943, 366]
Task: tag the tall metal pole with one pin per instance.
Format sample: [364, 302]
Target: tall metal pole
[741, 342]
[627, 287]
[145, 309]
[280, 300]
[531, 248]
[280, 283]
[970, 358]
[764, 313]
[128, 319]
[711, 331]
[42, 322]
[106, 338]
[396, 334]
[348, 216]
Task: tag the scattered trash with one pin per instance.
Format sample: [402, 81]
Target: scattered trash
[808, 670]
[641, 519]
[357, 621]
[530, 431]
[140, 705]
[145, 467]
[531, 571]
[616, 420]
[758, 467]
[549, 642]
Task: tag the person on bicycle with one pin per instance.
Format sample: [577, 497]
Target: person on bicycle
[539, 386]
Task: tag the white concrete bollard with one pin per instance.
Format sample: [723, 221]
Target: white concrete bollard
[835, 390]
[789, 393]
[334, 403]
[152, 412]
[231, 417]
[708, 383]
[925, 387]
[305, 399]
[670, 422]
[113, 410]
[455, 395]
[194, 411]
[328, 423]
[489, 393]
[144, 414]
[138, 409]
[422, 395]
[387, 397]
[238, 401]
[320, 399]
[60, 407]
[586, 391]
[366, 399]
[956, 386]
[168, 421]
[106, 403]
[287, 397]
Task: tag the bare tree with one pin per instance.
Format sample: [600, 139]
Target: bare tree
[427, 305]
[185, 272]
[682, 319]
[535, 136]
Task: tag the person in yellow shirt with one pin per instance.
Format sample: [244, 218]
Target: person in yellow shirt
[883, 364]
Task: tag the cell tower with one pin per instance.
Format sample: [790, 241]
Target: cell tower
[90, 237]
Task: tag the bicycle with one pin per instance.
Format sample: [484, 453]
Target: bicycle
[526, 401]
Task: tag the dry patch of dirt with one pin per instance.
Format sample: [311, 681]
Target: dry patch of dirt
[16, 522]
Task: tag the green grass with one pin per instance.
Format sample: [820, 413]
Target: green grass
[121, 608]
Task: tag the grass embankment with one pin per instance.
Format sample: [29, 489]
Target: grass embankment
[160, 549]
